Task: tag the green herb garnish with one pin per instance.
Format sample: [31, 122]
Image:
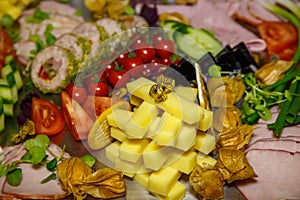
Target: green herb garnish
[78, 12]
[36, 155]
[38, 17]
[7, 20]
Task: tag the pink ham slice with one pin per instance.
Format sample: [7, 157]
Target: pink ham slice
[249, 10]
[291, 144]
[30, 186]
[207, 15]
[278, 175]
[262, 131]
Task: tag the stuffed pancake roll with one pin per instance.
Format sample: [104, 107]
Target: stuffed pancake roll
[78, 46]
[52, 69]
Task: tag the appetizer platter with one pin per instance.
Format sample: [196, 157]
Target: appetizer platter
[195, 99]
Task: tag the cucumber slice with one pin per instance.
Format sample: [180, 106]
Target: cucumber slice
[8, 92]
[17, 75]
[197, 42]
[2, 122]
[8, 109]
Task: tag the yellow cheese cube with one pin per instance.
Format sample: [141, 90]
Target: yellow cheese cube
[187, 93]
[186, 137]
[119, 118]
[181, 108]
[167, 130]
[129, 174]
[112, 151]
[205, 143]
[205, 161]
[154, 156]
[118, 134]
[142, 178]
[142, 118]
[186, 162]
[128, 167]
[177, 192]
[206, 122]
[152, 128]
[131, 149]
[161, 182]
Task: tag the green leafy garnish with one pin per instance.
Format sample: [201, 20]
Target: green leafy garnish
[50, 38]
[38, 17]
[49, 178]
[14, 177]
[78, 12]
[40, 141]
[7, 20]
[51, 166]
[89, 159]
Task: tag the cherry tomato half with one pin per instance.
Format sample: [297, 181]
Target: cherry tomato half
[47, 117]
[77, 93]
[78, 121]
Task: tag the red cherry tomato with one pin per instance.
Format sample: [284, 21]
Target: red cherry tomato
[121, 58]
[138, 41]
[47, 117]
[132, 63]
[164, 48]
[166, 61]
[77, 93]
[116, 76]
[146, 54]
[78, 121]
[98, 89]
[157, 38]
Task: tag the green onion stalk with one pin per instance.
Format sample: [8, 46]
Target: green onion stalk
[290, 108]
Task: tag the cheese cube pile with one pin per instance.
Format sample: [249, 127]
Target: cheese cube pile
[157, 142]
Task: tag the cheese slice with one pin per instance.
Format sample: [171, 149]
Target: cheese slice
[205, 160]
[128, 167]
[112, 151]
[187, 93]
[154, 156]
[142, 118]
[161, 182]
[186, 163]
[152, 128]
[131, 149]
[186, 137]
[118, 134]
[181, 108]
[167, 130]
[177, 192]
[207, 121]
[205, 143]
[142, 178]
[119, 118]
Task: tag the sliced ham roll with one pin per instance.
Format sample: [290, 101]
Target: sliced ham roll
[111, 26]
[52, 69]
[277, 175]
[92, 32]
[61, 17]
[78, 46]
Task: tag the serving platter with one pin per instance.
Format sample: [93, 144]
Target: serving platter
[75, 148]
